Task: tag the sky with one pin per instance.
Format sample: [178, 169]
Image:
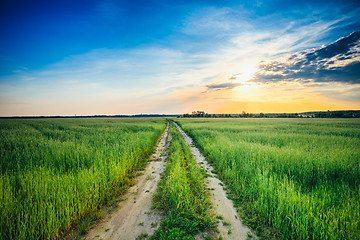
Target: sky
[112, 57]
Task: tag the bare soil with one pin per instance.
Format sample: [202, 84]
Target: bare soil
[231, 226]
[134, 217]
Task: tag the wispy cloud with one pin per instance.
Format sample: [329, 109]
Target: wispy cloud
[216, 22]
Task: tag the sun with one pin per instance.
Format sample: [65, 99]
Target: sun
[243, 77]
[244, 74]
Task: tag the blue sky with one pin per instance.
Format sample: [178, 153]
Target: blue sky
[125, 57]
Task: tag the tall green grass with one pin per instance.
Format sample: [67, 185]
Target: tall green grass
[299, 176]
[182, 194]
[53, 172]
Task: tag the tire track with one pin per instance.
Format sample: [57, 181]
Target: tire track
[231, 226]
[135, 217]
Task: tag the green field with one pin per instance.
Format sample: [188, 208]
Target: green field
[55, 172]
[291, 178]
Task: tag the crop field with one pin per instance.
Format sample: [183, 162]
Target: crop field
[56, 171]
[289, 178]
[299, 176]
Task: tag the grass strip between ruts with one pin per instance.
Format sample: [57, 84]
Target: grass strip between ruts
[182, 194]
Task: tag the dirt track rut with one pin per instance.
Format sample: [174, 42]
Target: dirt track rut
[135, 216]
[222, 205]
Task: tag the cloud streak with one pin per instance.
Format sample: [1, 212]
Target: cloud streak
[220, 86]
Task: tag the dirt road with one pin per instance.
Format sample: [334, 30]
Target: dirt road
[135, 216]
[230, 227]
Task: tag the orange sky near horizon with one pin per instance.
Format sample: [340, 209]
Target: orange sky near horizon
[266, 98]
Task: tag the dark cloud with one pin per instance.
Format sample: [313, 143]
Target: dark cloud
[337, 62]
[341, 46]
[223, 86]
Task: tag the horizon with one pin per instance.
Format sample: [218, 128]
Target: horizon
[163, 114]
[108, 57]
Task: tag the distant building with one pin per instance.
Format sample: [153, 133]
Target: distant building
[198, 113]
